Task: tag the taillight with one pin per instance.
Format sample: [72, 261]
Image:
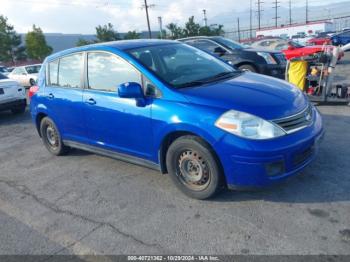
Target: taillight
[32, 91]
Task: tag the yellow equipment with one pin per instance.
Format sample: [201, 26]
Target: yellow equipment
[297, 73]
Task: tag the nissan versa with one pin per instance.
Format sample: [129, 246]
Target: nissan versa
[170, 106]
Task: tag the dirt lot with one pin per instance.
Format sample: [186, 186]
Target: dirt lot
[88, 204]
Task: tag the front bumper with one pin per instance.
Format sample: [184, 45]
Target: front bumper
[12, 104]
[277, 71]
[247, 163]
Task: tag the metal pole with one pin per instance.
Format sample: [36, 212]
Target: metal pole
[251, 20]
[239, 31]
[307, 11]
[149, 27]
[290, 12]
[160, 26]
[205, 18]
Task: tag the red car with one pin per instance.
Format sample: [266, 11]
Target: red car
[319, 41]
[290, 48]
[297, 50]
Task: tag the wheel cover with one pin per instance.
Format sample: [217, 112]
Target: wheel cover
[52, 136]
[193, 170]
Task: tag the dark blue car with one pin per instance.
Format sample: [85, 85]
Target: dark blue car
[175, 108]
[342, 38]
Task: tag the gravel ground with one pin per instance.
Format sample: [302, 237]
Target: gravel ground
[88, 204]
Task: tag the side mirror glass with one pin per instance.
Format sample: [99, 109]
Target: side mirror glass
[219, 50]
[130, 90]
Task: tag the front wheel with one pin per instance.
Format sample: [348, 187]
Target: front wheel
[247, 68]
[51, 137]
[193, 167]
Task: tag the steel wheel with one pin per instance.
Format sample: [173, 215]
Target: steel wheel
[52, 136]
[193, 170]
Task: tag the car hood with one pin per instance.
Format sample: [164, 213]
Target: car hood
[263, 96]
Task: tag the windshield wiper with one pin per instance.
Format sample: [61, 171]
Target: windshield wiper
[203, 81]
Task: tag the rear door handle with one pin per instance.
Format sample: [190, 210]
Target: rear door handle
[51, 96]
[90, 101]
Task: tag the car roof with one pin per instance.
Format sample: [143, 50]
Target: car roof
[198, 37]
[120, 45]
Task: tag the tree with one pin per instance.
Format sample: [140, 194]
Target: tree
[212, 30]
[132, 35]
[175, 31]
[191, 28]
[82, 42]
[10, 43]
[36, 45]
[106, 33]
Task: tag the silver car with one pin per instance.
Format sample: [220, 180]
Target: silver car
[25, 75]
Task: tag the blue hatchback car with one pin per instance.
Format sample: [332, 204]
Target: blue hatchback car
[172, 107]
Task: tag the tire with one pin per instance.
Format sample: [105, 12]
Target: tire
[51, 137]
[248, 68]
[19, 109]
[32, 82]
[193, 167]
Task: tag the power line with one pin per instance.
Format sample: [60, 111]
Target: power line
[276, 6]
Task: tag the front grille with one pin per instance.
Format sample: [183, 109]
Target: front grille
[281, 58]
[303, 156]
[296, 122]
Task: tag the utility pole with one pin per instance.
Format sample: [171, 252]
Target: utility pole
[259, 13]
[251, 20]
[276, 6]
[290, 12]
[238, 30]
[146, 6]
[160, 26]
[307, 11]
[205, 18]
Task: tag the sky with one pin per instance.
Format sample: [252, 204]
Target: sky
[82, 16]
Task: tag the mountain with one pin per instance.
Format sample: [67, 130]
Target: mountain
[59, 41]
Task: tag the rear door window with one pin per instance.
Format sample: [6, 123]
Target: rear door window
[53, 73]
[70, 71]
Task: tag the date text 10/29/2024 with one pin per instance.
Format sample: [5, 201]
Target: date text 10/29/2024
[173, 258]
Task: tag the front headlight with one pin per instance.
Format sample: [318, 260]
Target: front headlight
[248, 126]
[268, 58]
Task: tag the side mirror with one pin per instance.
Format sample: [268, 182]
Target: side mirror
[130, 90]
[219, 50]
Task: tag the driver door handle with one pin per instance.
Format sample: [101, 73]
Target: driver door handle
[90, 101]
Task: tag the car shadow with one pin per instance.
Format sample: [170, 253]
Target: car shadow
[8, 118]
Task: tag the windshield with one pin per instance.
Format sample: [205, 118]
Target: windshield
[230, 43]
[180, 65]
[295, 44]
[3, 76]
[33, 69]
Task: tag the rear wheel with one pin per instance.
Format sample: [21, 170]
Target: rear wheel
[193, 167]
[51, 137]
[248, 68]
